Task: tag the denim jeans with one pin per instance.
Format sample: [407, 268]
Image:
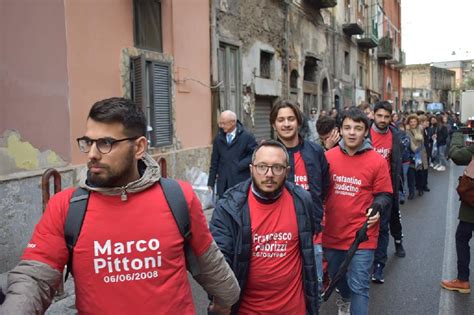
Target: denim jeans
[442, 155]
[404, 187]
[356, 283]
[318, 256]
[463, 236]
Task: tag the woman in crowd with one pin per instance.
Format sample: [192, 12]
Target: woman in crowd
[419, 162]
[432, 134]
[441, 140]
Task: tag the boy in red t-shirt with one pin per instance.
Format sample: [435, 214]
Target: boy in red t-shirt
[359, 182]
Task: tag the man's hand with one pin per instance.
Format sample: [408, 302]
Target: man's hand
[210, 188]
[219, 309]
[373, 219]
[332, 140]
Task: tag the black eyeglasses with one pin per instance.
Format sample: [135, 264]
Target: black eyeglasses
[277, 169]
[104, 145]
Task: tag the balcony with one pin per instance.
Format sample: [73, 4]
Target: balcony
[352, 25]
[395, 57]
[322, 4]
[402, 60]
[370, 37]
[385, 49]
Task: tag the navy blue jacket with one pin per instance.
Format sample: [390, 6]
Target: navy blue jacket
[230, 162]
[230, 226]
[318, 174]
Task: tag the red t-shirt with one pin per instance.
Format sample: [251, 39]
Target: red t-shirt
[382, 143]
[301, 176]
[275, 279]
[354, 180]
[129, 257]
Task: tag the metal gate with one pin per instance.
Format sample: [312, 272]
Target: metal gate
[262, 129]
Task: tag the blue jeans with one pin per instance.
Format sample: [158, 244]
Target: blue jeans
[318, 256]
[463, 236]
[442, 155]
[356, 283]
[404, 190]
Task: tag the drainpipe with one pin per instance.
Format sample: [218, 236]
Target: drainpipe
[214, 70]
[287, 48]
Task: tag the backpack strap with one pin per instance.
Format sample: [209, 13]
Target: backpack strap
[74, 220]
[175, 197]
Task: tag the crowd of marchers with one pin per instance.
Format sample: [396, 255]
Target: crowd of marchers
[284, 226]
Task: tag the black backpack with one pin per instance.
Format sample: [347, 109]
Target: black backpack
[176, 201]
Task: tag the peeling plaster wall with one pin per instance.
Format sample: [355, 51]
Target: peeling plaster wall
[17, 155]
[33, 82]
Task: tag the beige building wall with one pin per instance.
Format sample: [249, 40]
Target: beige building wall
[190, 46]
[96, 33]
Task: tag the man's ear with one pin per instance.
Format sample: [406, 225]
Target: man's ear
[141, 146]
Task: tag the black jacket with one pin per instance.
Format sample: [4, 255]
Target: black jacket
[230, 226]
[442, 136]
[318, 174]
[230, 163]
[395, 160]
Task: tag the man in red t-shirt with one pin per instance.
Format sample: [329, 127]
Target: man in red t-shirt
[129, 257]
[359, 182]
[386, 141]
[263, 227]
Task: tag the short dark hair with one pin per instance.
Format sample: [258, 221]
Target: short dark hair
[325, 125]
[356, 115]
[271, 143]
[283, 104]
[123, 111]
[383, 105]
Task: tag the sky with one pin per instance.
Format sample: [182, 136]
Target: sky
[433, 29]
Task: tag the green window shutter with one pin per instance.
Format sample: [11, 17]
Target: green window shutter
[161, 119]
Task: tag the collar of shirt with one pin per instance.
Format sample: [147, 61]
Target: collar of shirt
[232, 133]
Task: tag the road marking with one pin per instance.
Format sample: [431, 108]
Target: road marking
[446, 300]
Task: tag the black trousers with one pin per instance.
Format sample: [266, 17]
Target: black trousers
[418, 179]
[390, 218]
[463, 236]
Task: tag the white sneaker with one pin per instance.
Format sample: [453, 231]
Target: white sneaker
[431, 165]
[436, 166]
[343, 307]
[441, 168]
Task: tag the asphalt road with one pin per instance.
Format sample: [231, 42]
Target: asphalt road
[411, 283]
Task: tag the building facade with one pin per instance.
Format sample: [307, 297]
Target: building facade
[423, 84]
[65, 55]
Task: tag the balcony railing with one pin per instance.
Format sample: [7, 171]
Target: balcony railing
[370, 37]
[352, 25]
[402, 60]
[395, 57]
[385, 48]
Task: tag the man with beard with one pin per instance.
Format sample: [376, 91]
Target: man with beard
[386, 141]
[129, 256]
[360, 183]
[263, 226]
